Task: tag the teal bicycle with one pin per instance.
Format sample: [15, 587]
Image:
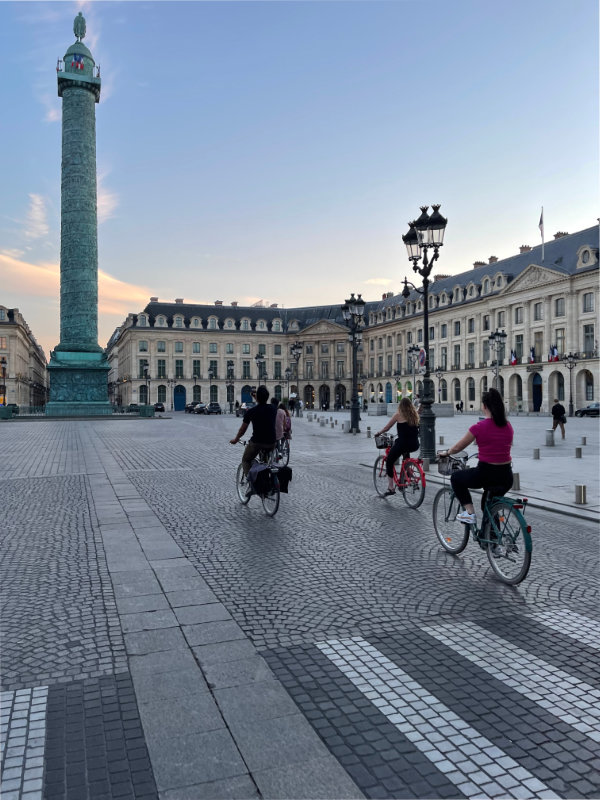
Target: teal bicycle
[504, 532]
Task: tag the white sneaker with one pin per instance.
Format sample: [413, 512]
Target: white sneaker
[466, 518]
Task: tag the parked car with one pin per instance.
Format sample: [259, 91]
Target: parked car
[593, 410]
[189, 407]
[159, 407]
[213, 408]
[14, 408]
[199, 408]
[133, 408]
[239, 412]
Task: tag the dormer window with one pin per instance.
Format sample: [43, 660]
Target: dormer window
[142, 321]
[245, 324]
[486, 286]
[196, 322]
[230, 323]
[499, 282]
[294, 325]
[179, 322]
[276, 324]
[212, 324]
[260, 325]
[443, 299]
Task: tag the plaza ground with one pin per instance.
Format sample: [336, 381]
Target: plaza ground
[161, 640]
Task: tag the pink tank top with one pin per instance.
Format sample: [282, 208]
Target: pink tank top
[494, 443]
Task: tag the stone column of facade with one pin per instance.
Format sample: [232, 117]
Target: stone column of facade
[78, 366]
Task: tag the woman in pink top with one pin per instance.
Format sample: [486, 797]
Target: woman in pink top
[494, 436]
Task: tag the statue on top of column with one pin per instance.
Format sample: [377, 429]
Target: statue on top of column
[79, 26]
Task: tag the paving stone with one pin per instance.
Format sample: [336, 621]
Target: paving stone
[269, 743]
[318, 778]
[186, 713]
[154, 641]
[239, 788]
[208, 612]
[237, 673]
[263, 700]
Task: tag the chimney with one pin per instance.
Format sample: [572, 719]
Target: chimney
[492, 259]
[179, 300]
[477, 264]
[525, 248]
[560, 234]
[273, 305]
[440, 277]
[154, 299]
[234, 303]
[218, 302]
[390, 294]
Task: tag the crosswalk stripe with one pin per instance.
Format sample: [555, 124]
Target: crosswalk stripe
[563, 695]
[576, 626]
[468, 760]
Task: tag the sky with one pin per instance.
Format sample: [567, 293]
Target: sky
[276, 151]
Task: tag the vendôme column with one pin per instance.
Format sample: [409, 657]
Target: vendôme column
[78, 365]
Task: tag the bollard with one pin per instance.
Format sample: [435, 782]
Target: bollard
[550, 438]
[441, 440]
[584, 440]
[425, 465]
[516, 482]
[536, 453]
[578, 452]
[332, 425]
[580, 494]
[368, 433]
[322, 422]
[336, 422]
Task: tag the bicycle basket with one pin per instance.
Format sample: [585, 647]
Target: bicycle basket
[449, 464]
[383, 441]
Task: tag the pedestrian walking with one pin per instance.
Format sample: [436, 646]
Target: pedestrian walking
[559, 416]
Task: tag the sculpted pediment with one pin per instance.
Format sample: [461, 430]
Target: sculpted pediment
[533, 277]
[323, 328]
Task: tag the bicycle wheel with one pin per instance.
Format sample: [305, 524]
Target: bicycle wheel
[452, 535]
[380, 478]
[270, 500]
[510, 558]
[284, 452]
[241, 485]
[413, 484]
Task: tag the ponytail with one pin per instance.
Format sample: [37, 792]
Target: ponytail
[492, 399]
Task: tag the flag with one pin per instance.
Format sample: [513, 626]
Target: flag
[541, 227]
[532, 355]
[513, 357]
[551, 354]
[77, 61]
[555, 354]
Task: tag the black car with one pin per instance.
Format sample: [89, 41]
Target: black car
[189, 407]
[213, 408]
[133, 408]
[593, 410]
[159, 407]
[239, 412]
[199, 408]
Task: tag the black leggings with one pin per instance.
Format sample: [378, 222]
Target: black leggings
[398, 449]
[483, 476]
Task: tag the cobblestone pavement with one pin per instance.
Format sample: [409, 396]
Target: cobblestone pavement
[161, 640]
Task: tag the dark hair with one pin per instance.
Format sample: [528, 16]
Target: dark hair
[283, 405]
[492, 399]
[274, 402]
[262, 394]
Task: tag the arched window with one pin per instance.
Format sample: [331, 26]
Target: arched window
[212, 324]
[143, 394]
[161, 321]
[162, 394]
[142, 320]
[278, 393]
[179, 322]
[197, 393]
[444, 390]
[589, 385]
[456, 390]
[214, 393]
[486, 286]
[470, 390]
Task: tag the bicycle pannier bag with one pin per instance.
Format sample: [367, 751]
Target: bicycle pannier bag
[285, 476]
[259, 478]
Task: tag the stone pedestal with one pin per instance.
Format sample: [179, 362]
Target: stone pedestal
[78, 385]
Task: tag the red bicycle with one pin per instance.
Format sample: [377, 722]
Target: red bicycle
[410, 479]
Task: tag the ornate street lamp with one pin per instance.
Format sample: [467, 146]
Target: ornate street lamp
[353, 313]
[496, 340]
[425, 233]
[230, 383]
[260, 361]
[413, 353]
[439, 375]
[570, 363]
[147, 379]
[296, 352]
[171, 385]
[288, 375]
[211, 375]
[3, 369]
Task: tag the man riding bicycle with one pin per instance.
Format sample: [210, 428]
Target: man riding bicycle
[262, 416]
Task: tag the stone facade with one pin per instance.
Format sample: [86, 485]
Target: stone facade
[538, 304]
[23, 360]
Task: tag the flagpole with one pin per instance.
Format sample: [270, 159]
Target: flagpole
[541, 227]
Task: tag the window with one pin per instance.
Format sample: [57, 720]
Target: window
[431, 333]
[456, 363]
[409, 337]
[2, 314]
[309, 370]
[486, 322]
[261, 325]
[212, 365]
[471, 325]
[324, 347]
[212, 324]
[277, 349]
[179, 367]
[161, 321]
[162, 394]
[245, 325]
[519, 346]
[324, 370]
[179, 322]
[559, 307]
[380, 365]
[398, 338]
[161, 347]
[142, 320]
[276, 325]
[3, 341]
[262, 349]
[399, 362]
[308, 349]
[161, 368]
[212, 347]
[588, 301]
[142, 367]
[431, 359]
[500, 319]
[340, 347]
[457, 328]
[420, 335]
[277, 368]
[470, 390]
[142, 346]
[246, 349]
[196, 324]
[389, 342]
[589, 386]
[340, 370]
[372, 345]
[471, 353]
[229, 348]
[195, 347]
[179, 347]
[559, 339]
[485, 350]
[588, 339]
[444, 358]
[246, 370]
[196, 368]
[537, 312]
[486, 286]
[538, 345]
[519, 315]
[389, 363]
[444, 331]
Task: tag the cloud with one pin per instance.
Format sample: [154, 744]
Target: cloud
[36, 224]
[107, 200]
[379, 281]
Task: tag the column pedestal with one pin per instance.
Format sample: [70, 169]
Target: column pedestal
[78, 385]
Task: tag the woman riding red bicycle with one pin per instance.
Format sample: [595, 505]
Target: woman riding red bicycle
[406, 419]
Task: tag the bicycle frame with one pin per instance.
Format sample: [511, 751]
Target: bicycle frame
[400, 475]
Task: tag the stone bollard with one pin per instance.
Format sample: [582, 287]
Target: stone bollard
[332, 425]
[368, 433]
[336, 422]
[425, 465]
[549, 438]
[516, 482]
[441, 440]
[345, 427]
[322, 422]
[584, 440]
[578, 452]
[580, 494]
[536, 453]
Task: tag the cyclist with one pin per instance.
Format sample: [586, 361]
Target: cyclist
[407, 426]
[494, 437]
[262, 416]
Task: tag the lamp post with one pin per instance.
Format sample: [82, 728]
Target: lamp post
[230, 383]
[439, 375]
[210, 377]
[496, 340]
[171, 385]
[147, 379]
[413, 354]
[570, 363]
[3, 368]
[425, 233]
[288, 375]
[260, 360]
[296, 352]
[353, 311]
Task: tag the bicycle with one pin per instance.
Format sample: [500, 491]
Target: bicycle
[270, 498]
[282, 452]
[504, 532]
[410, 480]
